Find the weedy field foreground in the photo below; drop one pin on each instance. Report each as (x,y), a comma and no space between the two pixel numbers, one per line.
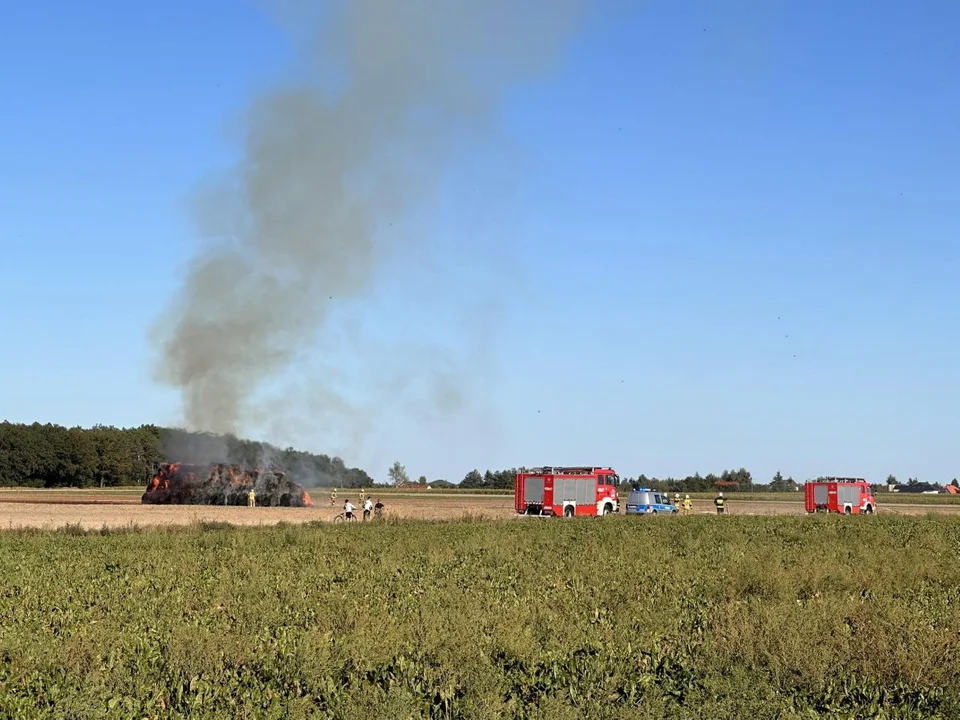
(702,617)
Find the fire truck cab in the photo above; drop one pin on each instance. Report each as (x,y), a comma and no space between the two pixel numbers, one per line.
(847,496)
(567,491)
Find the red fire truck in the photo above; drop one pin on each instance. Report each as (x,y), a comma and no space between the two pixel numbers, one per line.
(567,491)
(849,496)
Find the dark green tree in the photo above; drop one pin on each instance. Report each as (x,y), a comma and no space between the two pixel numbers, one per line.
(779,483)
(472,479)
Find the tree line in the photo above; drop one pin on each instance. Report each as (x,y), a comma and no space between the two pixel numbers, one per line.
(55,456)
(733,480)
(47,456)
(740,480)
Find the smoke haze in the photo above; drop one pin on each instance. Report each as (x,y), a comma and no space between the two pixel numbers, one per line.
(385,94)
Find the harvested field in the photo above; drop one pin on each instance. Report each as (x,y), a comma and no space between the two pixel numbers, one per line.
(94,509)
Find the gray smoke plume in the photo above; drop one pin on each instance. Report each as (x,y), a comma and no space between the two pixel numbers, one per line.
(385,94)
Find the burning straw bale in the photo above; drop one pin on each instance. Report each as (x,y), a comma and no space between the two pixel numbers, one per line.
(179,484)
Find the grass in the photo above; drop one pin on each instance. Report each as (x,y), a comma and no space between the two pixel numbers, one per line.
(882,497)
(119,490)
(393,492)
(701,617)
(321,494)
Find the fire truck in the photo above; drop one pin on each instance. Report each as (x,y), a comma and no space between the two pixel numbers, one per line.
(848,496)
(567,491)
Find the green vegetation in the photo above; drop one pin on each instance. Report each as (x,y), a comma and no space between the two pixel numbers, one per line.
(47,456)
(704,617)
(883,498)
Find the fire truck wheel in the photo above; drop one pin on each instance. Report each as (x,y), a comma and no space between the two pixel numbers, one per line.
(607,509)
(869,509)
(568,511)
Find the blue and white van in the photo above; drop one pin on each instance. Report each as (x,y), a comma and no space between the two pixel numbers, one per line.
(644,501)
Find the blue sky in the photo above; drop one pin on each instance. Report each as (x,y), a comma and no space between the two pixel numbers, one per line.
(718,237)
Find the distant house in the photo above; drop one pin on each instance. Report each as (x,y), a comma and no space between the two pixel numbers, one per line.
(726,484)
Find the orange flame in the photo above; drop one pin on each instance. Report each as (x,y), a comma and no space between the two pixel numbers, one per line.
(180,480)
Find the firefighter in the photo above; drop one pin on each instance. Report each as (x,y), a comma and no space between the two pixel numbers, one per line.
(719,502)
(676,500)
(333,497)
(687,505)
(251,498)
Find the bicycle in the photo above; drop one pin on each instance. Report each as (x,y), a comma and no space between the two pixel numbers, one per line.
(342,517)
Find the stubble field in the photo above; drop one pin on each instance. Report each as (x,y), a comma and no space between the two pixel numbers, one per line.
(95,509)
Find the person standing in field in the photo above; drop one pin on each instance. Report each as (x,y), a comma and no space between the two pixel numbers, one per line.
(676,500)
(367,507)
(333,497)
(251,498)
(720,503)
(348,509)
(687,505)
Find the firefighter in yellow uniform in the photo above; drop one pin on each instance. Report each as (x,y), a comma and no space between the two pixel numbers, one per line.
(676,501)
(251,498)
(721,504)
(363,495)
(687,505)
(333,497)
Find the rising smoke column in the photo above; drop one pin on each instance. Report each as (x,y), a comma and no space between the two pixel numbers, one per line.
(386,93)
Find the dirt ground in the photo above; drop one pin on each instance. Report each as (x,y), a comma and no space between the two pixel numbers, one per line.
(94,509)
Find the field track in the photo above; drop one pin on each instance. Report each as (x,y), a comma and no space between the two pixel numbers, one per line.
(94,509)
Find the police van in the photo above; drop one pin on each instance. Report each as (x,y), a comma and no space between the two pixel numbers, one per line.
(644,501)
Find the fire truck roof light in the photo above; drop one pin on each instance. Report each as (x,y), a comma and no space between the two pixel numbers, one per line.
(570,470)
(838,479)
